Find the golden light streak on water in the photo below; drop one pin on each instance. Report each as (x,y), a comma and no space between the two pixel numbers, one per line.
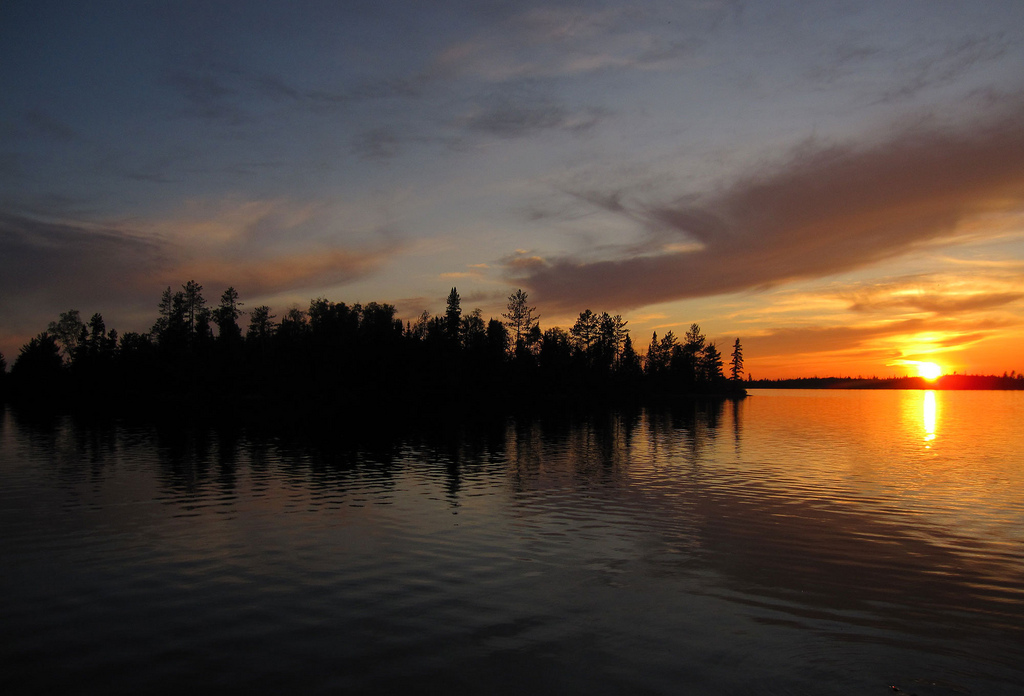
(930,416)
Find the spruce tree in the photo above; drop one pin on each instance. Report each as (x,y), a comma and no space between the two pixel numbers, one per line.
(736,365)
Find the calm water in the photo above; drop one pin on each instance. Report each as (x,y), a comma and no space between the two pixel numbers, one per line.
(823,542)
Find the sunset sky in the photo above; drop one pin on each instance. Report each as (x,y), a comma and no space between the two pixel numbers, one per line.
(838,184)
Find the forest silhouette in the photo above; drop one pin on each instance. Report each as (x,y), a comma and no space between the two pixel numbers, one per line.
(341,358)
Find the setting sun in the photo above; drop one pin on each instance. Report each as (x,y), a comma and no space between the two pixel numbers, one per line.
(929,370)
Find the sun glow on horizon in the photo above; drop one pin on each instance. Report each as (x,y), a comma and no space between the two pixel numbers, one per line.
(928,370)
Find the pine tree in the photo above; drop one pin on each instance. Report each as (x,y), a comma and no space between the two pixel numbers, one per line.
(453,317)
(736,365)
(711,364)
(226,315)
(261,324)
(655,361)
(585,331)
(520,317)
(194,302)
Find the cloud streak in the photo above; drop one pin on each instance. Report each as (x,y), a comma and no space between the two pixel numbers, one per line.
(59,264)
(892,338)
(70,259)
(826,210)
(295,271)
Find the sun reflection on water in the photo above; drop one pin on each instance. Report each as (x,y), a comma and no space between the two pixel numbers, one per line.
(929,416)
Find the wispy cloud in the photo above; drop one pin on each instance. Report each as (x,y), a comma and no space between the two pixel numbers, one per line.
(938,303)
(825,210)
(896,338)
(295,271)
(70,259)
(947,65)
(546,41)
(52,265)
(238,242)
(509,118)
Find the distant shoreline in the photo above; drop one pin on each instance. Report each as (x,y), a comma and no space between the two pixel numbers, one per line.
(952,382)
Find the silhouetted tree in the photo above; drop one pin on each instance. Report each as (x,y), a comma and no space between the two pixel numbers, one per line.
(379,323)
(612,332)
(520,318)
(67,331)
(736,364)
(694,339)
(629,361)
(38,369)
(418,329)
(711,364)
(686,359)
(97,333)
(261,324)
(203,329)
(497,340)
(655,362)
(194,303)
(453,317)
(532,342)
(226,315)
(555,359)
(335,355)
(333,335)
(585,332)
(96,344)
(474,330)
(134,344)
(294,325)
(437,331)
(171,329)
(163,314)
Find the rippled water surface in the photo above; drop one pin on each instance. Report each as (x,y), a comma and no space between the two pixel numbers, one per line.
(826,542)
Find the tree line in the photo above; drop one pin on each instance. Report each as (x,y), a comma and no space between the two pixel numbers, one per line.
(338,355)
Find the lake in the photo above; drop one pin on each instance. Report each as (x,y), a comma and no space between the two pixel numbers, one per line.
(796,542)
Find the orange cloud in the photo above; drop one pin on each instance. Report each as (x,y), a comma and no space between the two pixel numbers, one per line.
(285,272)
(911,335)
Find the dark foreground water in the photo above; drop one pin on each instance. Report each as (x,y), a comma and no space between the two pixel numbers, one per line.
(794,543)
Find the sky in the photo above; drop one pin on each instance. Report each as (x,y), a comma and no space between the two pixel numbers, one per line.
(840,185)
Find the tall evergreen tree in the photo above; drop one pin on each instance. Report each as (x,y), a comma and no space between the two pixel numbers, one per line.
(97,343)
(629,361)
(736,364)
(653,361)
(520,317)
(453,317)
(711,364)
(261,324)
(474,330)
(226,314)
(585,332)
(171,329)
(194,303)
(671,352)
